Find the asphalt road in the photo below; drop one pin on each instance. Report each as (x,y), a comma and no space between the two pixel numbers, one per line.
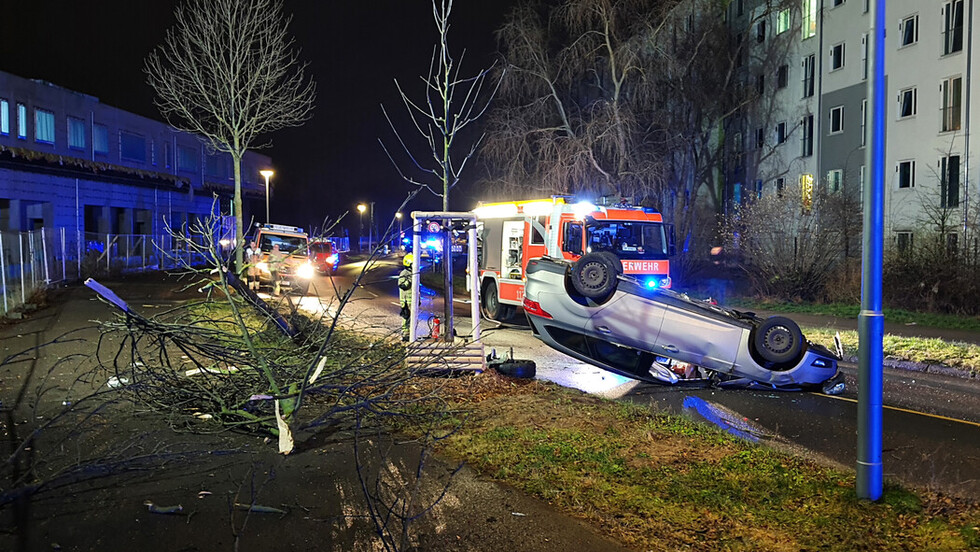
(931,422)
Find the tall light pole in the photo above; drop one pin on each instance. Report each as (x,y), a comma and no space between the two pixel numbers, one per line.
(267,173)
(360,227)
(398,216)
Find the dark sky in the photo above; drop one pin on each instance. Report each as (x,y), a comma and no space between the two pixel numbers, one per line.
(355,49)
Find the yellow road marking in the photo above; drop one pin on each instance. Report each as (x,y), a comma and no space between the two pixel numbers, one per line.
(907,411)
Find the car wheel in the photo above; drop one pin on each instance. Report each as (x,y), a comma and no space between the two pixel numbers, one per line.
(615,261)
(517,368)
(778,340)
(490,303)
(301,289)
(594,276)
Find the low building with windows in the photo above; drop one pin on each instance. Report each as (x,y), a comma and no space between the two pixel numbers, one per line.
(69,161)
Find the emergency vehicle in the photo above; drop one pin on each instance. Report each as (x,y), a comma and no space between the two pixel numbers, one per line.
(295,268)
(512,233)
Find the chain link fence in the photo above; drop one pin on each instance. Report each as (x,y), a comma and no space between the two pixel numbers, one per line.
(31,261)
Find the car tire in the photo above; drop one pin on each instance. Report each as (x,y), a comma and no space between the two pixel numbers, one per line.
(490,303)
(615,261)
(524,369)
(594,276)
(778,340)
(301,289)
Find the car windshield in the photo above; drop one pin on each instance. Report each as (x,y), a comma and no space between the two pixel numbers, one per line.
(287,244)
(628,240)
(316,248)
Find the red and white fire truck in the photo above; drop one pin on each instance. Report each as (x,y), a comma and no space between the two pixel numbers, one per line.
(513,232)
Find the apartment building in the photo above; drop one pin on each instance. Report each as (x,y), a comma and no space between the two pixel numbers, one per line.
(810,128)
(69,161)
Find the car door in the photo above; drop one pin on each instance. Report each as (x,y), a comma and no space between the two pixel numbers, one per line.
(629,320)
(692,335)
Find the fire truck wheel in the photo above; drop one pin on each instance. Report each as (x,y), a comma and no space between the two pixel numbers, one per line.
(594,276)
(490,303)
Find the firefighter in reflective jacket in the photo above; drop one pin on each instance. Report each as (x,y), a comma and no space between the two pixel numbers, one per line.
(405,295)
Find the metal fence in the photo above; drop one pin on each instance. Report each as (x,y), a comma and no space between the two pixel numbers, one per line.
(31,261)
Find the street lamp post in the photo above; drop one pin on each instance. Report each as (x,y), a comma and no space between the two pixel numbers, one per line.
(398,216)
(267,173)
(360,227)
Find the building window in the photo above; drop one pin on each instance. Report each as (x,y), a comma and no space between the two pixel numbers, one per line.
(758,189)
(739,7)
(861,182)
(739,51)
(100,138)
(76,133)
(780,186)
(952,27)
(806,137)
(760,84)
(168,159)
(864,56)
(4,117)
(782,21)
(837,56)
(904,242)
(906,102)
(837,119)
(132,147)
(760,31)
(838,2)
(952,91)
(22,121)
(906,174)
(909,29)
(810,8)
(782,76)
(186,158)
(737,150)
(809,64)
(780,133)
(949,182)
(43,126)
(760,138)
(864,122)
(835,178)
(806,191)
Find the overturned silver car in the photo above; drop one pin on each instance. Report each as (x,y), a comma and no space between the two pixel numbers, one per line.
(591,311)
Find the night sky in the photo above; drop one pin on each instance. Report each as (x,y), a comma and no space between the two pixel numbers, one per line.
(355,48)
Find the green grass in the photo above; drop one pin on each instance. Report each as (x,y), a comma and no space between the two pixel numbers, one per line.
(659,482)
(925,350)
(847,310)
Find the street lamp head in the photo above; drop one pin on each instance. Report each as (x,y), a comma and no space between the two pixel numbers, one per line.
(267,172)
(361,208)
(398,215)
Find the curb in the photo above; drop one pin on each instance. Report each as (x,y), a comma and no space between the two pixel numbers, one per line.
(912,366)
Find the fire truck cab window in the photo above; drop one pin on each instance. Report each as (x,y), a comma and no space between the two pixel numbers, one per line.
(628,239)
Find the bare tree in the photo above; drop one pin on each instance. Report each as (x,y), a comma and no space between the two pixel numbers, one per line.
(451,104)
(228,70)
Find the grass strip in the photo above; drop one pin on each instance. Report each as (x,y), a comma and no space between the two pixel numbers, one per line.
(661,482)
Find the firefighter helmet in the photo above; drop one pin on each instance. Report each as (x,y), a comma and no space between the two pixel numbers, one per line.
(408,260)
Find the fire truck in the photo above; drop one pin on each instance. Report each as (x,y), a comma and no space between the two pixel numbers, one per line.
(513,232)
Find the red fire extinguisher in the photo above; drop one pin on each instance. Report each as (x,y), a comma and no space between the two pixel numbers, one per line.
(435,328)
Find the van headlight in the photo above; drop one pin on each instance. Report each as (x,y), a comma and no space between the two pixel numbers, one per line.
(305,271)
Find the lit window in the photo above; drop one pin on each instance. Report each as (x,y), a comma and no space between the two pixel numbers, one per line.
(21,121)
(76,133)
(906,174)
(952,92)
(100,138)
(909,28)
(952,27)
(782,21)
(837,119)
(43,126)
(837,56)
(806,190)
(810,8)
(906,103)
(4,117)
